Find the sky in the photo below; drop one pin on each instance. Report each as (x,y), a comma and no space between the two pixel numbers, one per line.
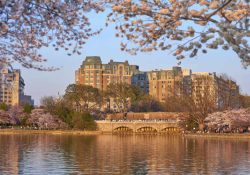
(107,46)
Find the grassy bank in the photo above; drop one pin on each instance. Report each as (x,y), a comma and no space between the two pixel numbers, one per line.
(51,132)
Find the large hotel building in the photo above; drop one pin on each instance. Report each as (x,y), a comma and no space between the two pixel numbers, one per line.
(12,87)
(160,84)
(93,72)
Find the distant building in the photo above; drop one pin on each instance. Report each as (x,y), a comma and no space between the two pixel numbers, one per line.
(187,82)
(225,91)
(12,87)
(234,94)
(160,84)
(164,84)
(27,99)
(141,80)
(94,73)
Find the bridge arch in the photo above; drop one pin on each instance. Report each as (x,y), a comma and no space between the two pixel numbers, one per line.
(146,129)
(170,130)
(122,129)
(138,126)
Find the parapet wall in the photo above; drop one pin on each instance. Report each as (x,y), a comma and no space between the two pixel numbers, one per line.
(147,116)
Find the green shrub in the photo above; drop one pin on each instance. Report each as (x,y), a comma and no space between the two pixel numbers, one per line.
(64,113)
(83,121)
(27,108)
(3,106)
(23,120)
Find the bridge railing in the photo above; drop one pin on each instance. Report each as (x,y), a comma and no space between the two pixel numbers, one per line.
(141,121)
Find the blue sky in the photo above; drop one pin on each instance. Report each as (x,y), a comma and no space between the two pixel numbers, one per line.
(107,46)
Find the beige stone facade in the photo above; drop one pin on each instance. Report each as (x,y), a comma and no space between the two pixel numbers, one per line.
(94,73)
(12,87)
(224,90)
(164,84)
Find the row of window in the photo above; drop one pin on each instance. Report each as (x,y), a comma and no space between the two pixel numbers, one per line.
(91,81)
(106,67)
(92,66)
(107,72)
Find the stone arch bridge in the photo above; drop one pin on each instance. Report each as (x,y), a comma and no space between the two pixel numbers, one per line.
(138,126)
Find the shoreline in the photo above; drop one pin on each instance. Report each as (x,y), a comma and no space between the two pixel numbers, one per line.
(79,132)
(219,135)
(47,132)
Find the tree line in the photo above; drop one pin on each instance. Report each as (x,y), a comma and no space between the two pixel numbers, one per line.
(80,101)
(81,104)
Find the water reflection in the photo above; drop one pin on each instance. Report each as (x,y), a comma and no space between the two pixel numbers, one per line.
(107,154)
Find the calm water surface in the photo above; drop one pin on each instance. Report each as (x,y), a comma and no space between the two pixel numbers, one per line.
(107,154)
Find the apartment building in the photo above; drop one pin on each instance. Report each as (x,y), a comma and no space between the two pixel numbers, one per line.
(160,84)
(173,82)
(179,82)
(12,87)
(224,91)
(94,73)
(234,94)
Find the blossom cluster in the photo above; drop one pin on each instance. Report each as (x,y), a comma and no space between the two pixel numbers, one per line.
(232,118)
(191,25)
(27,26)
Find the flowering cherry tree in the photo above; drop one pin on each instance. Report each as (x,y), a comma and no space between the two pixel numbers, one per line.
(186,27)
(28,25)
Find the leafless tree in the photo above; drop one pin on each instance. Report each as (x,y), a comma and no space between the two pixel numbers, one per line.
(245,101)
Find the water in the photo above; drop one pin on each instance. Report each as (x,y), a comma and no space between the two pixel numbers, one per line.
(107,154)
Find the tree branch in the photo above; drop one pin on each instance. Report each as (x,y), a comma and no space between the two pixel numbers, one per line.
(224,5)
